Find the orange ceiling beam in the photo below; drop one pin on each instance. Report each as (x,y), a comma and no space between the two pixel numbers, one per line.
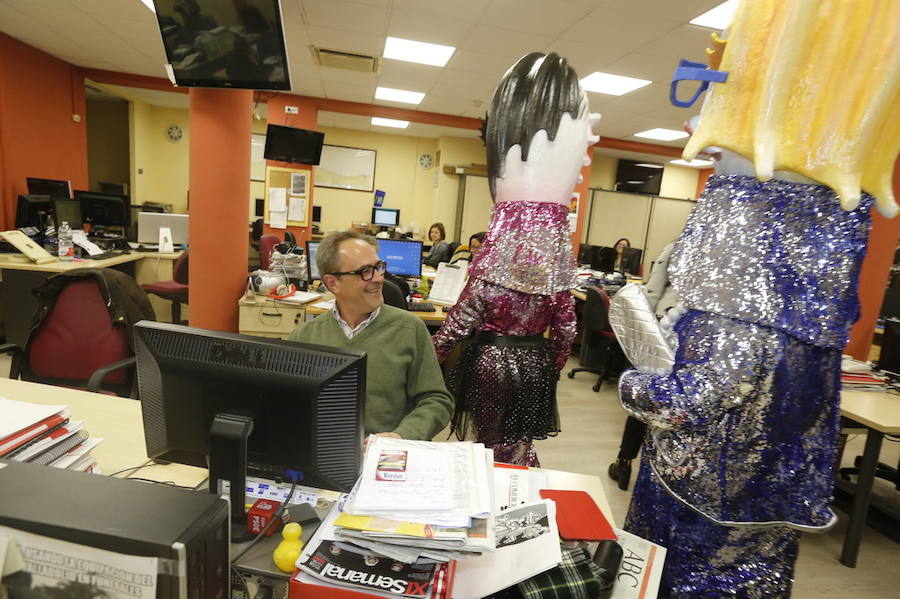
(638,146)
(130,80)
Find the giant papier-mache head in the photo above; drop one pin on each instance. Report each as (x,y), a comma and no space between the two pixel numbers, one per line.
(539,116)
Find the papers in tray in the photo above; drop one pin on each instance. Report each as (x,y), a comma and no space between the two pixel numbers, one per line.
(448,283)
(301,297)
(527,543)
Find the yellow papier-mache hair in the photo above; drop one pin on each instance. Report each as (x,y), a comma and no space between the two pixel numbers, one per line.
(813,87)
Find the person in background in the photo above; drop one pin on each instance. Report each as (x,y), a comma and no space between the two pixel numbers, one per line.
(440,249)
(405,392)
(661,296)
(468,252)
(619,263)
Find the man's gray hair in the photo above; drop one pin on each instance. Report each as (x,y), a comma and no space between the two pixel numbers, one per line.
(328,258)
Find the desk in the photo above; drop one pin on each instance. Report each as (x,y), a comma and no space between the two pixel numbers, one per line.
(880,414)
(435,318)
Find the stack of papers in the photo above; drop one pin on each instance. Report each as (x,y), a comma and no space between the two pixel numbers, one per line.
(45,435)
(859,376)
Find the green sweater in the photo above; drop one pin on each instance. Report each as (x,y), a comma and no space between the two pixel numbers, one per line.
(405,391)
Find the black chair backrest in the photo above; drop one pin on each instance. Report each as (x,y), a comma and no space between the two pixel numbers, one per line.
(289,237)
(399,282)
(453,246)
(393,296)
(596,310)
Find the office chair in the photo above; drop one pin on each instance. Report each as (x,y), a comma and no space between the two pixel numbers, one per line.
(174,290)
(392,295)
(289,238)
(454,245)
(600,351)
(399,282)
(881,471)
(267,244)
(82,336)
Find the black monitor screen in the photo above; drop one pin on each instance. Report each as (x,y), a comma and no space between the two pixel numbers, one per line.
(104,209)
(34,211)
(68,211)
(306,401)
(49,187)
(317,214)
(312,268)
(385,217)
(290,144)
(603,258)
(214,43)
(639,177)
(585,252)
(404,258)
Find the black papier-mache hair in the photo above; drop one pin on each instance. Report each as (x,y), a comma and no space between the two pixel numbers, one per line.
(533,95)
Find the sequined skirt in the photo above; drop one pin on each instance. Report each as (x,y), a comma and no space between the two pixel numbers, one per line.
(705,560)
(506,393)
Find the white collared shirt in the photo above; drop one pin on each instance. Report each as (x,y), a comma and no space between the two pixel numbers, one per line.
(349,331)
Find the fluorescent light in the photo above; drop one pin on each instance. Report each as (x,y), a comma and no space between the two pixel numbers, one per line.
(398,95)
(420,52)
(719,17)
(376,120)
(614,85)
(149,4)
(662,134)
(695,162)
(649,165)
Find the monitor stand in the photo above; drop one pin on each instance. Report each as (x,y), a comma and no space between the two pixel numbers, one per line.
(228,436)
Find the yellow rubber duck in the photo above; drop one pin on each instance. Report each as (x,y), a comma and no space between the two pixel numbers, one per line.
(288,550)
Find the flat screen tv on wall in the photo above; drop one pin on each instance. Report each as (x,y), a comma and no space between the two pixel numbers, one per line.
(638,177)
(294,145)
(214,43)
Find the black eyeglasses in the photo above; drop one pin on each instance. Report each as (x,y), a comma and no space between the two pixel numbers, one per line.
(366,272)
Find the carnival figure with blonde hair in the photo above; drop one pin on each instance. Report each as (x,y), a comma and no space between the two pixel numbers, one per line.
(537,133)
(743,427)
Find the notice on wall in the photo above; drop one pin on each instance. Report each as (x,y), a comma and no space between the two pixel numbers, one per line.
(296,208)
(60,568)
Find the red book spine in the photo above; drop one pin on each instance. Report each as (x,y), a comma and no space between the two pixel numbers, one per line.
(25,435)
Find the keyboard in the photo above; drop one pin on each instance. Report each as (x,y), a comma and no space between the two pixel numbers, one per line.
(420,306)
(105,255)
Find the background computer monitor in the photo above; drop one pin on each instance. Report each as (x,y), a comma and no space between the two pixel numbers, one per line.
(68,211)
(404,258)
(603,258)
(119,188)
(149,224)
(385,217)
(34,211)
(585,252)
(317,214)
(312,268)
(104,209)
(49,187)
(306,403)
(631,258)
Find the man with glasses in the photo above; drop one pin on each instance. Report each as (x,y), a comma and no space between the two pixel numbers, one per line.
(405,392)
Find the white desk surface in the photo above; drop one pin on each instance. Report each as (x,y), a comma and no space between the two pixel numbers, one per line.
(877,410)
(118,420)
(60,266)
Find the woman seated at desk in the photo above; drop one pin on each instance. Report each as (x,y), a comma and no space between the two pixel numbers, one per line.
(467,252)
(440,249)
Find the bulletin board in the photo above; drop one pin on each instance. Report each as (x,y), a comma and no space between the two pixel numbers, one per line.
(287,197)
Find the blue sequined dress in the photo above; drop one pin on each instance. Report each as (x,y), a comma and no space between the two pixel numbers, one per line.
(742,433)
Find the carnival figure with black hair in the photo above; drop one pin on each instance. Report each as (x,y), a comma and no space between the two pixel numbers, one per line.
(537,133)
(743,423)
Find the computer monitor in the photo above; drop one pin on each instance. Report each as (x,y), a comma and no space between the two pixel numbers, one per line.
(889,358)
(49,187)
(404,258)
(317,215)
(385,217)
(631,258)
(585,252)
(68,211)
(118,188)
(149,224)
(104,210)
(603,258)
(34,211)
(240,404)
(312,269)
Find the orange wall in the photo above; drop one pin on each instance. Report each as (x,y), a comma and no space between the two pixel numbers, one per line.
(306,119)
(38,138)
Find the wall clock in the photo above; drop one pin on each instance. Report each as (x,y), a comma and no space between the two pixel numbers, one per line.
(174,133)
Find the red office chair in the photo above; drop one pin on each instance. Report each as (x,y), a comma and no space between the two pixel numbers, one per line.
(600,351)
(266,244)
(82,332)
(175,290)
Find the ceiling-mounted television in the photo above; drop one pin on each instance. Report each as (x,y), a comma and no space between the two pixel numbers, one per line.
(290,144)
(220,43)
(639,177)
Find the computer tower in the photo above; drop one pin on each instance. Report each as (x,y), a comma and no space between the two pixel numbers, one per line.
(187,531)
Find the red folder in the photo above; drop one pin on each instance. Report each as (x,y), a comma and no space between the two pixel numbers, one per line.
(21,437)
(578,517)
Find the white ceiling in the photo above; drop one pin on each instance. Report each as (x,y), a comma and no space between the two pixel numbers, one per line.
(635,38)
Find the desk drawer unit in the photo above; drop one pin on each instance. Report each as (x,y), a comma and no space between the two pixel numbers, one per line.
(267,318)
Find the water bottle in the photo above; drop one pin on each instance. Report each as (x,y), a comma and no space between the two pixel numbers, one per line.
(66,247)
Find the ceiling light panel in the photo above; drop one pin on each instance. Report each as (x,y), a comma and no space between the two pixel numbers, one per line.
(613,85)
(695,163)
(662,134)
(398,95)
(719,17)
(419,52)
(376,120)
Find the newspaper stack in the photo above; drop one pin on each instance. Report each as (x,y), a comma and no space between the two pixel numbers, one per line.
(416,507)
(45,435)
